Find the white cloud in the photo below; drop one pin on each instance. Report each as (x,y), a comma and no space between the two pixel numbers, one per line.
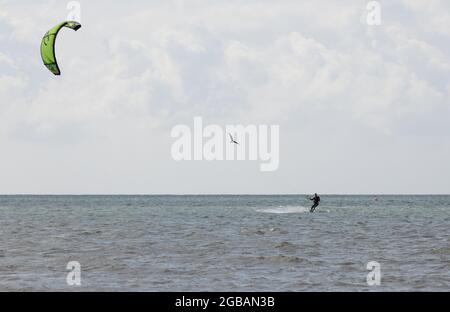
(136,69)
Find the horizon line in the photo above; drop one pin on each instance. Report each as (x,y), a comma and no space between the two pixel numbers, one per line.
(224,194)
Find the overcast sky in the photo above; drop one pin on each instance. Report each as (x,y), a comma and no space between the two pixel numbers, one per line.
(361,109)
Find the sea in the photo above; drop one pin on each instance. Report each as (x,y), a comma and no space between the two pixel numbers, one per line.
(224,243)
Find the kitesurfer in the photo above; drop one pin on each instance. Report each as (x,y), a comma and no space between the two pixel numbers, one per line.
(316,201)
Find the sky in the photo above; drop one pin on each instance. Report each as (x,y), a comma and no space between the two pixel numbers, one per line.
(361,109)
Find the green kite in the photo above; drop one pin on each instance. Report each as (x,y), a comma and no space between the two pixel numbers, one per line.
(48,45)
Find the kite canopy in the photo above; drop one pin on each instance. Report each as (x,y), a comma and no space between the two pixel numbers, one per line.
(48,45)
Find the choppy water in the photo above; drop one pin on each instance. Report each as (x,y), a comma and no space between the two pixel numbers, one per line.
(224,243)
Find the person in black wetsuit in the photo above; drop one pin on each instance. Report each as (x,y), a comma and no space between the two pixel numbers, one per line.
(316,200)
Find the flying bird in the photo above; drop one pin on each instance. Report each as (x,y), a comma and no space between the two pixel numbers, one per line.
(232,140)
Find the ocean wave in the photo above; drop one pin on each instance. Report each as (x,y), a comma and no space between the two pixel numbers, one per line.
(282,210)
